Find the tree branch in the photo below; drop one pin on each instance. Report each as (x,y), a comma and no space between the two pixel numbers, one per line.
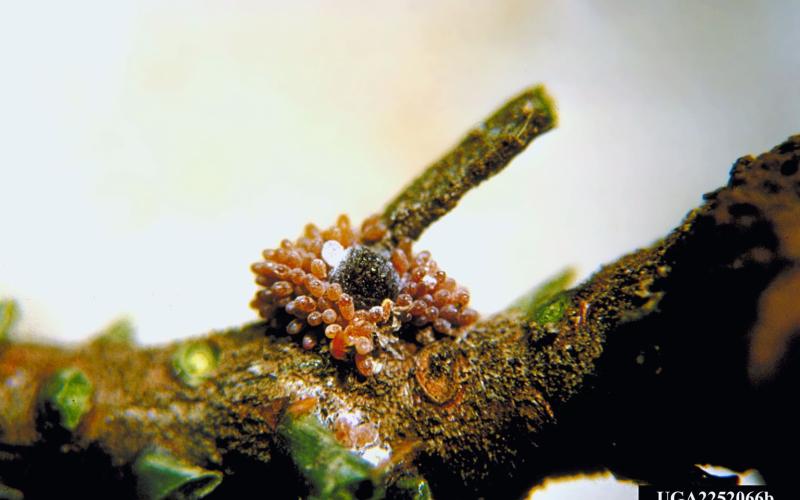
(642,370)
(485,151)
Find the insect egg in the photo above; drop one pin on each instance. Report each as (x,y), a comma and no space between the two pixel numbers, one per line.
(341,285)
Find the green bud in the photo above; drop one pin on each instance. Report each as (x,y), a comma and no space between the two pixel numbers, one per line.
(9,313)
(533,301)
(413,488)
(331,470)
(553,310)
(9,493)
(119,332)
(160,475)
(195,361)
(68,392)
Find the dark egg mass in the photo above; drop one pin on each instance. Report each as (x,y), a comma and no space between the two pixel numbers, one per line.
(367,276)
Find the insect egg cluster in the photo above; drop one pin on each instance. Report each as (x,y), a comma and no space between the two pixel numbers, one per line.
(337,286)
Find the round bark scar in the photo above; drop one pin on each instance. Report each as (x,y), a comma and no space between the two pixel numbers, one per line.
(439,372)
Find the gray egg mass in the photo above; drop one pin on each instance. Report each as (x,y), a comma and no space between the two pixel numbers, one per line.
(367,276)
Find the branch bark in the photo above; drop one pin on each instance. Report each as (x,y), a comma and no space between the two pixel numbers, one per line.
(646,369)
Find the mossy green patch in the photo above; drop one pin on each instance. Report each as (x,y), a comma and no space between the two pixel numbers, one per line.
(195,361)
(331,470)
(9,313)
(160,475)
(68,392)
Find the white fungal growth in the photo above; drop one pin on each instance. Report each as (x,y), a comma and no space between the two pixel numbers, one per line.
(377,454)
(333,253)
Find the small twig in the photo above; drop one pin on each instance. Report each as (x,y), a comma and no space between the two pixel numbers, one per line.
(485,151)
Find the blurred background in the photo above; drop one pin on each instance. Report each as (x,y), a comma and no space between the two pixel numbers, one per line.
(150,149)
